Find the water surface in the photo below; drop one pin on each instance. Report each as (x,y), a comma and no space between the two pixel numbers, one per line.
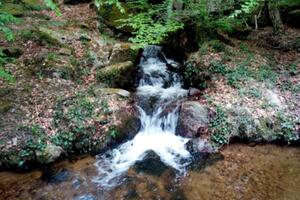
(240,172)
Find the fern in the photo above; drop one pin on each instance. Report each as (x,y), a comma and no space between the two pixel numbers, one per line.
(246,8)
(101,3)
(5,20)
(3,74)
(50,4)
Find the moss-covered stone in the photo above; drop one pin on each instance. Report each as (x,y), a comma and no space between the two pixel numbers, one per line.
(5,105)
(118,75)
(13,9)
(110,15)
(93,120)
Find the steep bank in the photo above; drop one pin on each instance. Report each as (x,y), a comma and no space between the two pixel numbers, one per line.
(70,93)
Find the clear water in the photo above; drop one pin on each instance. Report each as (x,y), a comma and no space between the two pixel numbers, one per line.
(159,90)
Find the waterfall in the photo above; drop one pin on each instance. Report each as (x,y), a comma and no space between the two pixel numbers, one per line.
(157,99)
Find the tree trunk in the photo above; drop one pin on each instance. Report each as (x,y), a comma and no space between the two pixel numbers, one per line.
(275,17)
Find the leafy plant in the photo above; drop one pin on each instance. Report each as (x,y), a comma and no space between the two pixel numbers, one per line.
(220,128)
(216,67)
(4,74)
(240,74)
(113,132)
(64,140)
(247,7)
(5,20)
(50,4)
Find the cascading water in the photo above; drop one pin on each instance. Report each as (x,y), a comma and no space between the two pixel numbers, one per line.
(158,92)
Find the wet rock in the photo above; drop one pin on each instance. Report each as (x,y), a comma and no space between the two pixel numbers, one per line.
(150,164)
(118,75)
(193,120)
(199,145)
(56,176)
(109,91)
(86,197)
(202,160)
(49,154)
(193,91)
(122,52)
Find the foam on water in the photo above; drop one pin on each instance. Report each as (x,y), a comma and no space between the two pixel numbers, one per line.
(158,127)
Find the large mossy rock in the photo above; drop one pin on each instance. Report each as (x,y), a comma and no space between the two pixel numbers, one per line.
(26,147)
(193,120)
(110,14)
(12,8)
(118,75)
(94,120)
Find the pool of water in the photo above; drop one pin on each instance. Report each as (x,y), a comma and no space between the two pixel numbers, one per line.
(239,172)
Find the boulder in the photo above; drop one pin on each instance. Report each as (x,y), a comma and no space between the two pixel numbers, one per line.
(193,120)
(199,145)
(12,8)
(150,164)
(94,120)
(49,154)
(122,52)
(118,75)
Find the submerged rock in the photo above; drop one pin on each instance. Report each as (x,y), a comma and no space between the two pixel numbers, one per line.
(193,120)
(199,145)
(150,164)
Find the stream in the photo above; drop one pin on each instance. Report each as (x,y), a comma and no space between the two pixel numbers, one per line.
(155,164)
(240,172)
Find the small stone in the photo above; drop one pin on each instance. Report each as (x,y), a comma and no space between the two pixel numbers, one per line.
(65,51)
(193,91)
(50,154)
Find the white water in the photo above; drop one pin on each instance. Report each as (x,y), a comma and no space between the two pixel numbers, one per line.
(158,127)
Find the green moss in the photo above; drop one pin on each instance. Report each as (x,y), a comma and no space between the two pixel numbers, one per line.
(220,128)
(241,74)
(13,9)
(117,75)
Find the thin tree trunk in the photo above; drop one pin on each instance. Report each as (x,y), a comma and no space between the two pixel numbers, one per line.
(275,18)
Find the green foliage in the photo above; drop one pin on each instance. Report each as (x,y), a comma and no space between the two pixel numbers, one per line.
(3,74)
(64,140)
(153,25)
(266,73)
(246,8)
(5,20)
(217,46)
(113,132)
(220,128)
(241,74)
(36,142)
(253,92)
(102,3)
(50,4)
(287,127)
(219,68)
(191,75)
